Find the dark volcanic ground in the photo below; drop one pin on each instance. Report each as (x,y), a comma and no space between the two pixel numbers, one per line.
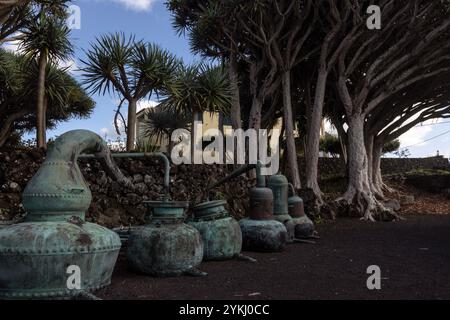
(414,257)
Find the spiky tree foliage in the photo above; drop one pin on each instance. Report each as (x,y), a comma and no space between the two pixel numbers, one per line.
(13,15)
(18,90)
(131,69)
(49,35)
(199,88)
(16,14)
(45,38)
(213,32)
(160,124)
(391,146)
(268,36)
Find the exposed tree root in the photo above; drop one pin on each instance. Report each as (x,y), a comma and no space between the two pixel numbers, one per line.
(371,206)
(111,168)
(388,189)
(321,207)
(318,201)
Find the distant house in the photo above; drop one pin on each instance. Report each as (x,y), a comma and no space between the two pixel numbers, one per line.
(210,120)
(117,146)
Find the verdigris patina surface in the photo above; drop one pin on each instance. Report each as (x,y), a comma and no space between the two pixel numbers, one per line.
(304,227)
(221,234)
(35,255)
(290,210)
(166,246)
(261,232)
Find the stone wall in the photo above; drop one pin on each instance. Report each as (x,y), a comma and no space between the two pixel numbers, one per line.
(335,167)
(113,205)
(397,165)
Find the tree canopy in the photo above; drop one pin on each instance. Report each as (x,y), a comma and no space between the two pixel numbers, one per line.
(18,90)
(134,70)
(307,59)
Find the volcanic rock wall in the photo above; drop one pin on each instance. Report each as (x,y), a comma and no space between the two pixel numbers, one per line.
(113,205)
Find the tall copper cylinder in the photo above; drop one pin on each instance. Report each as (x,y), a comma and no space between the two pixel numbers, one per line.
(296,207)
(280,188)
(261,204)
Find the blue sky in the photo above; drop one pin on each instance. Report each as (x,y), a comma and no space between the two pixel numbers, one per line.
(150,20)
(146,19)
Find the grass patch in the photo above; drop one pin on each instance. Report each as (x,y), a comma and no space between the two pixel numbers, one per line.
(424,172)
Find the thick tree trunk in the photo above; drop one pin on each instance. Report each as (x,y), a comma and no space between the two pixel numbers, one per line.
(362,195)
(343,151)
(291,149)
(255,123)
(255,114)
(220,123)
(313,137)
(131,132)
(41,138)
(342,134)
(368,142)
(374,152)
(195,154)
(377,179)
(254,120)
(235,111)
(45,117)
(359,195)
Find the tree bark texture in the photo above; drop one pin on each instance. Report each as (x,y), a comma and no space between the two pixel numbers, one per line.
(131,132)
(291,149)
(41,138)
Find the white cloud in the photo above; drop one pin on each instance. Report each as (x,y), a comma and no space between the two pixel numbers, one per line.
(104,132)
(137,5)
(416,136)
(146,104)
(70,65)
(141,105)
(11,46)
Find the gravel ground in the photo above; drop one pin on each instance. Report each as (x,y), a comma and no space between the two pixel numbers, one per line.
(414,257)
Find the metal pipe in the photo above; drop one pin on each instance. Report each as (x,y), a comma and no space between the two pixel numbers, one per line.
(261,182)
(159,155)
(236,173)
(58,190)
